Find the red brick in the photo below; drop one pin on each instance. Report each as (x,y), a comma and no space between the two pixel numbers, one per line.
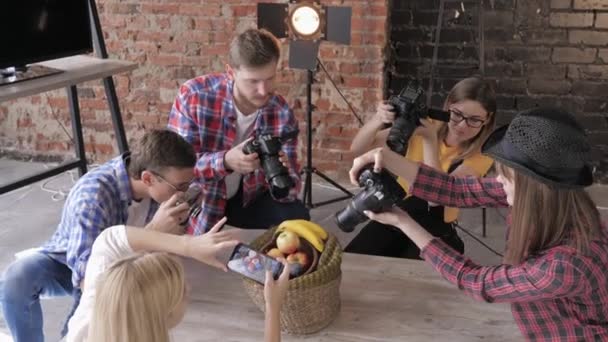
(590,5)
(165,9)
(601,20)
(571,19)
(588,37)
(573,55)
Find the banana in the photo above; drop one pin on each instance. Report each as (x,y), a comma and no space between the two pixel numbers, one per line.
(304,232)
(320,232)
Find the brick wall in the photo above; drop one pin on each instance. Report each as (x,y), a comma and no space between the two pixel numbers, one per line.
(176,40)
(538,52)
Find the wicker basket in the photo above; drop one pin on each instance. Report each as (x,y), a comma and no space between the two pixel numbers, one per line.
(313,299)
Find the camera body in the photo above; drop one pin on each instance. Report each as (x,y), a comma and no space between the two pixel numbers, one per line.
(191,196)
(381,191)
(277,176)
(409,108)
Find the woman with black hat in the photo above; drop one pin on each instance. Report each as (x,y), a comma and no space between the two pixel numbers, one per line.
(554,268)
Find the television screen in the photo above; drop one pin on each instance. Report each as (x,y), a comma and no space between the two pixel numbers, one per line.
(38,30)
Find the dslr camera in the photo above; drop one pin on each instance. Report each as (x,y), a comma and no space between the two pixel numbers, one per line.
(191,197)
(409,108)
(381,191)
(277,176)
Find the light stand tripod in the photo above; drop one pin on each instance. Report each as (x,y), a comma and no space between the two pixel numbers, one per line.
(308,170)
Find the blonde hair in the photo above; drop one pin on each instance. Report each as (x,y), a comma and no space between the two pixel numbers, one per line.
(135,297)
(545,216)
(472,89)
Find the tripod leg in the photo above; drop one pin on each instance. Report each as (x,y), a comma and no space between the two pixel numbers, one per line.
(307,193)
(332,182)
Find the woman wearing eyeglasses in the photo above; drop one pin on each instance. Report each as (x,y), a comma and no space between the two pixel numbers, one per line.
(453,147)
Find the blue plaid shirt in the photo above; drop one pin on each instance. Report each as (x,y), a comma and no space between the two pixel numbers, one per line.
(100,199)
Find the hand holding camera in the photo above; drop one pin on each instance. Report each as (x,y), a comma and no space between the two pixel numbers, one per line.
(409,109)
(268,148)
(240,162)
(380,192)
(169,216)
(192,198)
(385,114)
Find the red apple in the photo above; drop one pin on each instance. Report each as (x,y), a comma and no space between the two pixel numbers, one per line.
(288,242)
(298,258)
(275,253)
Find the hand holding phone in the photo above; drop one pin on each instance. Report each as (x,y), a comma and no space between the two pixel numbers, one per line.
(253,264)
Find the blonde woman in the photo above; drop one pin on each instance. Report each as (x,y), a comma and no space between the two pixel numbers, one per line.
(453,147)
(556,256)
(134,296)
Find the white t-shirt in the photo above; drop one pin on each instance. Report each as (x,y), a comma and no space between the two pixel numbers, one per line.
(244,126)
(110,245)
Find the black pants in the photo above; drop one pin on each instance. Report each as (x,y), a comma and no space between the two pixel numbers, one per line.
(379,239)
(263,212)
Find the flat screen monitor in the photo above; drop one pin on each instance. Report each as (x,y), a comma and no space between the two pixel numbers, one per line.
(39,30)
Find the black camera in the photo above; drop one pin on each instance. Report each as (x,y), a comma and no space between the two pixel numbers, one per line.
(191,197)
(381,191)
(277,176)
(409,108)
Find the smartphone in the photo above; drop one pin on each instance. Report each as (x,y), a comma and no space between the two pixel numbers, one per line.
(253,264)
(191,196)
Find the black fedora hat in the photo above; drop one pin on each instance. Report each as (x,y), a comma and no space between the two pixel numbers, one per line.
(546,144)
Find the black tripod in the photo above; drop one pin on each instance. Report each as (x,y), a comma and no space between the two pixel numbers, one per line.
(309,169)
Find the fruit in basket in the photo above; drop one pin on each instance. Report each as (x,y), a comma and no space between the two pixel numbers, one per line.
(288,242)
(320,232)
(275,253)
(307,230)
(299,258)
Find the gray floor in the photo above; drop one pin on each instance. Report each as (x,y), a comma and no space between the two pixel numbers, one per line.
(29,215)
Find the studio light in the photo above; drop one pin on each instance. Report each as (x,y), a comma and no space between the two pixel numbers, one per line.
(306,24)
(304,20)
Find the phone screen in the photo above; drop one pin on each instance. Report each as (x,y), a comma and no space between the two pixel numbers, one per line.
(253,264)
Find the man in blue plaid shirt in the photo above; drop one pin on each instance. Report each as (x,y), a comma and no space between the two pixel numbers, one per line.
(125,190)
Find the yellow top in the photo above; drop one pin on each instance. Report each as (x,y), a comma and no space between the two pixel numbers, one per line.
(477,162)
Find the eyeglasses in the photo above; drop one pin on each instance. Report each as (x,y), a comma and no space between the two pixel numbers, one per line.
(183,187)
(457,116)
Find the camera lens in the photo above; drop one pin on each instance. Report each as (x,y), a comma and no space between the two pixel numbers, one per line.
(348,218)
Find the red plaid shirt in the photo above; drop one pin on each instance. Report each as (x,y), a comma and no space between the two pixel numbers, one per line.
(555,295)
(204,114)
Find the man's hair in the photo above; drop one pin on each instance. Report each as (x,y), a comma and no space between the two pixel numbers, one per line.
(254,48)
(158,150)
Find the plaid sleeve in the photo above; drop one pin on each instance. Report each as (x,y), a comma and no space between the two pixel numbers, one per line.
(551,276)
(459,192)
(185,120)
(87,221)
(291,152)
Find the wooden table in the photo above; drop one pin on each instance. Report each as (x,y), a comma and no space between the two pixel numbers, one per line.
(383,299)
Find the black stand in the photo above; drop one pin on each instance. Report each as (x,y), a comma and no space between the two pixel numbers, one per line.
(309,169)
(81,162)
(108,82)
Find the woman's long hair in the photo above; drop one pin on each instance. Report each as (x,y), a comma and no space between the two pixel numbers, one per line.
(135,297)
(544,216)
(473,89)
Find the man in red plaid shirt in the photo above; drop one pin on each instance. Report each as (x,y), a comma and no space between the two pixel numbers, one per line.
(554,269)
(219,114)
